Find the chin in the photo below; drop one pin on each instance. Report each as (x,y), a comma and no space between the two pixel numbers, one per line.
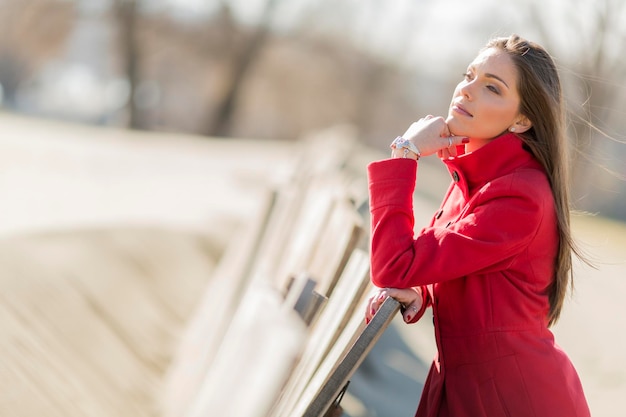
(457,129)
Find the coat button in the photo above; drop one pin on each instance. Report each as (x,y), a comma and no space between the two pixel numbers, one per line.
(455,176)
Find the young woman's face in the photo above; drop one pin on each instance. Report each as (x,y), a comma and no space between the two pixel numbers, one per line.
(486,101)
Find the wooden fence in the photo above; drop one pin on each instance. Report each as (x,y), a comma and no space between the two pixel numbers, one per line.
(89,316)
(280,328)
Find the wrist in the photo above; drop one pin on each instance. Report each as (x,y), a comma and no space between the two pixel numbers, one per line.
(404,153)
(404,148)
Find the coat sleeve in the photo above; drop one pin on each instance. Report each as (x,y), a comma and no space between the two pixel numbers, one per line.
(503,219)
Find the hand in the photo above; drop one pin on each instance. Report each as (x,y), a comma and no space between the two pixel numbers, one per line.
(432,135)
(410,298)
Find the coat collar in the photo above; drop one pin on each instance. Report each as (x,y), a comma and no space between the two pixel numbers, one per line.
(499,157)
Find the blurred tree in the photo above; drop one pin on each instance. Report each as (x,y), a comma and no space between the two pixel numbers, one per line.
(374,78)
(346,31)
(590,46)
(125,14)
(33,31)
(241,60)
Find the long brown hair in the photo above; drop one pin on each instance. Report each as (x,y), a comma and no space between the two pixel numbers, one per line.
(541,101)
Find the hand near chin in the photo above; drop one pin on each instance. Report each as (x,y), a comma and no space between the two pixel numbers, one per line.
(410,298)
(432,135)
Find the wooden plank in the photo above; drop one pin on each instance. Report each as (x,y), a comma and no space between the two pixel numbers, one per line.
(316,304)
(286,246)
(279,229)
(203,334)
(341,234)
(254,360)
(325,332)
(296,251)
(326,151)
(333,375)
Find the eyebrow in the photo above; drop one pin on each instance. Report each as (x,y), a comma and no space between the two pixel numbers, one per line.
(497,78)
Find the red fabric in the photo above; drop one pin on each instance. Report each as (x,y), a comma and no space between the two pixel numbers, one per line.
(484,263)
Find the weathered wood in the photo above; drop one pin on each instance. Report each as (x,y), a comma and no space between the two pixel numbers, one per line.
(314,308)
(279,229)
(325,151)
(304,227)
(304,201)
(326,330)
(296,250)
(333,375)
(207,326)
(255,358)
(340,236)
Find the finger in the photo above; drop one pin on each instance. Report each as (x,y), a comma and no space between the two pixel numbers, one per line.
(405,296)
(369,309)
(450,141)
(445,132)
(373,305)
(410,312)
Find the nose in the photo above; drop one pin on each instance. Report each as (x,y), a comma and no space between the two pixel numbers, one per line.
(465,89)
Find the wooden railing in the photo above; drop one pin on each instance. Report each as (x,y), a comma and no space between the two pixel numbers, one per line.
(280,329)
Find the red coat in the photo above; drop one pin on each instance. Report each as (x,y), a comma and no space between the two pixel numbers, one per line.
(484,262)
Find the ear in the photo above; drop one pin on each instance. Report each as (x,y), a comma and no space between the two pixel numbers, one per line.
(521,125)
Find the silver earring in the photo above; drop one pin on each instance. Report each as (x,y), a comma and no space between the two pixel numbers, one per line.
(512,129)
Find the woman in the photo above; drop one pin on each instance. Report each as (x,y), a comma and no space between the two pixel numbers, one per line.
(495,262)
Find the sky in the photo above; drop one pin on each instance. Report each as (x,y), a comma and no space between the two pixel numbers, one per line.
(393,28)
(411,31)
(438,37)
(406,31)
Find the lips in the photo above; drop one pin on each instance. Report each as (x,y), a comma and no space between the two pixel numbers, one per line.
(460,109)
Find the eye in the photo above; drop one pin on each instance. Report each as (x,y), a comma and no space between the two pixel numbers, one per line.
(493,89)
(467,76)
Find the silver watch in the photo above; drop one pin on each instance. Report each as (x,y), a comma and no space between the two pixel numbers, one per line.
(400,142)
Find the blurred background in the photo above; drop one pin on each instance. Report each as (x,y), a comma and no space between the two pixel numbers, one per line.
(273,69)
(136,135)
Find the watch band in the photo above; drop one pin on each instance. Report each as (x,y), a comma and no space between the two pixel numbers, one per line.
(402,143)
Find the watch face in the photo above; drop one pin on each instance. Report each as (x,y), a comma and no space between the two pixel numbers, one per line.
(400,142)
(404,143)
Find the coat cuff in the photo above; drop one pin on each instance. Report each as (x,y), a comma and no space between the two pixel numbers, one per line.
(392,182)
